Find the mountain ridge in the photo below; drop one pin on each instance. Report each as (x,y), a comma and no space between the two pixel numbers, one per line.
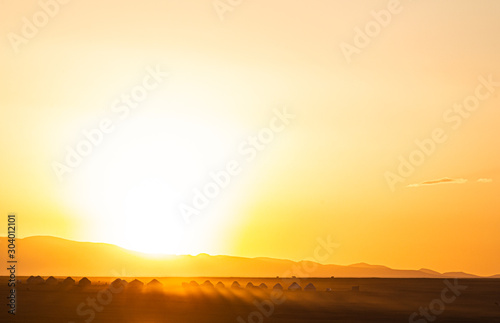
(78,258)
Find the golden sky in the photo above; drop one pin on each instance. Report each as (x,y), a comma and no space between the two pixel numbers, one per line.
(215,77)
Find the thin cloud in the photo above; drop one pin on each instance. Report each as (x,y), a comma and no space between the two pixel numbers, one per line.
(485,180)
(440,181)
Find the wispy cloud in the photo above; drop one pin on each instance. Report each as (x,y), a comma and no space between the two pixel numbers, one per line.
(440,181)
(485,180)
(449,181)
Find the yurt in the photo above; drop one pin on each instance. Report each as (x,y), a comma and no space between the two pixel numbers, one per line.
(207,284)
(51,281)
(310,287)
(84,282)
(68,281)
(135,284)
(118,283)
(154,285)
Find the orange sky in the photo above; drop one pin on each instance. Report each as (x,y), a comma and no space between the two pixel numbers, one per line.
(324,173)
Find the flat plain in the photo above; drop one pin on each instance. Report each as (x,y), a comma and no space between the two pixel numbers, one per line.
(378,300)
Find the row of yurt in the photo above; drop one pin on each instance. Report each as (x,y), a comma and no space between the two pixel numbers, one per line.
(85,282)
(250,285)
(138,285)
(52,281)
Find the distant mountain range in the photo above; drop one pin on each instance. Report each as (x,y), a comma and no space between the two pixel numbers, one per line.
(43,255)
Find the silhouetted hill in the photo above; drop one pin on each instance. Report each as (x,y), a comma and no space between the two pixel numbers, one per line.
(428,271)
(43,255)
(459,275)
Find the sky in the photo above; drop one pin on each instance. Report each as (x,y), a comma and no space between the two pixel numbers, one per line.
(255,128)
